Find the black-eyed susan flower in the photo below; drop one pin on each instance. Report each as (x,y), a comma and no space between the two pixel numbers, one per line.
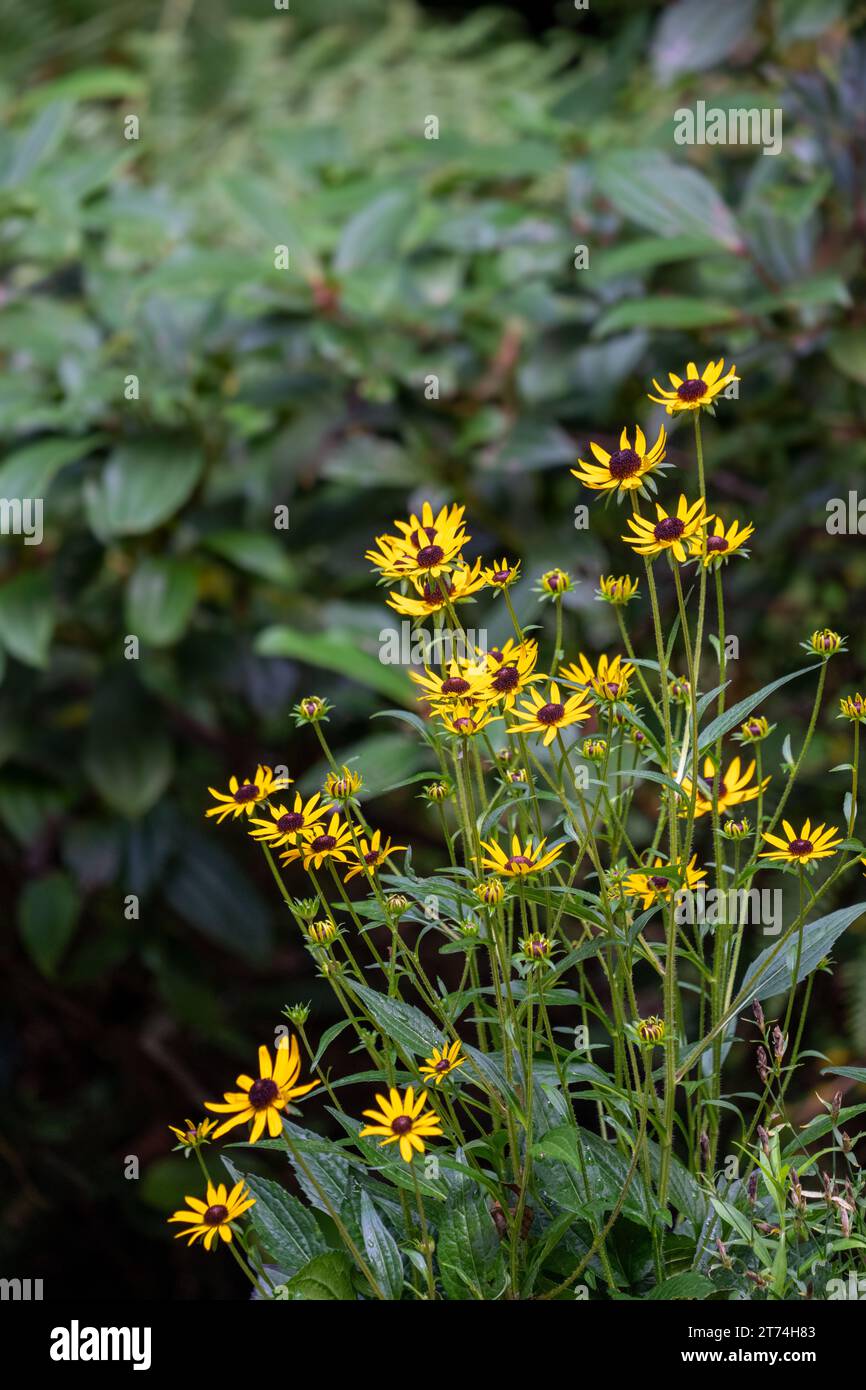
(547,714)
(287,822)
(698,390)
(754,729)
(192,1136)
(320,933)
(736,786)
(716,544)
(212,1218)
(510,669)
(261,1099)
(652,888)
(674,533)
(324,842)
(461,682)
(491,893)
(627,468)
(651,1031)
(554,583)
(679,690)
(608,678)
(397,903)
(467,720)
(803,846)
(594,749)
(524,859)
(852,707)
(403,1120)
(243,797)
(441,1061)
(311,710)
(371,854)
(824,643)
(738,829)
(437,792)
(618,589)
(429,596)
(502,574)
(425,547)
(343,785)
(535,949)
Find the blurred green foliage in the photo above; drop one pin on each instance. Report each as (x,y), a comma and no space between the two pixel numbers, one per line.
(168,388)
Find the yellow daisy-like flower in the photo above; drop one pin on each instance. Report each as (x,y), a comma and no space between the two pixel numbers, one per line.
(618,589)
(538,715)
(801,848)
(262,1098)
(852,707)
(651,1030)
(716,545)
(286,824)
(373,854)
(467,720)
(320,933)
(674,533)
(502,574)
(524,859)
(492,893)
(509,670)
(212,1218)
(443,1060)
(322,842)
(426,547)
(650,887)
(624,470)
(555,583)
(698,390)
(192,1136)
(403,1120)
(461,584)
(461,683)
(824,643)
(734,788)
(609,679)
(244,797)
(343,785)
(536,947)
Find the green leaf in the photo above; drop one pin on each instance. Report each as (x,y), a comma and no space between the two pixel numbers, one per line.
(325,1278)
(130,768)
(161,598)
(645,253)
(27,617)
(372,235)
(141,486)
(208,890)
(403,1022)
(693,35)
(380,1248)
(664,311)
(818,940)
(339,652)
(685,1285)
(28,472)
(743,708)
(47,914)
(668,198)
(468,1248)
(260,555)
(288,1230)
(37,143)
(606,1171)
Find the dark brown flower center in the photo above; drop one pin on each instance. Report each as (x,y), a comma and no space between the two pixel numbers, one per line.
(455,685)
(248,792)
(322,843)
(800,847)
(553,581)
(263,1093)
(692,390)
(518,861)
(444,1065)
(430,555)
(501,576)
(624,463)
(402,1124)
(292,820)
(658,882)
(372,857)
(669,529)
(433,592)
(215,1216)
(716,543)
(506,678)
(550,714)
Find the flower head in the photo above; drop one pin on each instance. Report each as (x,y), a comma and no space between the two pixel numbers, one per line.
(212,1218)
(428,596)
(491,893)
(460,683)
(801,847)
(852,707)
(716,545)
(609,679)
(192,1136)
(824,643)
(502,574)
(371,854)
(262,1098)
(618,589)
(699,389)
(424,547)
(652,887)
(467,720)
(627,468)
(320,843)
(754,730)
(554,583)
(311,710)
(527,858)
(442,1061)
(735,787)
(243,797)
(403,1120)
(288,822)
(738,829)
(674,532)
(508,670)
(320,933)
(536,948)
(651,1030)
(536,714)
(343,785)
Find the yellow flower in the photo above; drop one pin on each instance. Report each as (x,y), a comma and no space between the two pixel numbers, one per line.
(716,545)
(624,470)
(285,825)
(404,1121)
(442,1061)
(467,720)
(321,932)
(699,389)
(824,643)
(616,589)
(243,797)
(463,581)
(609,680)
(651,1030)
(372,854)
(523,859)
(853,707)
(510,669)
(502,574)
(461,683)
(555,583)
(801,848)
(650,888)
(343,785)
(668,532)
(754,730)
(492,893)
(332,842)
(536,947)
(261,1098)
(734,788)
(537,715)
(193,1135)
(426,547)
(205,1220)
